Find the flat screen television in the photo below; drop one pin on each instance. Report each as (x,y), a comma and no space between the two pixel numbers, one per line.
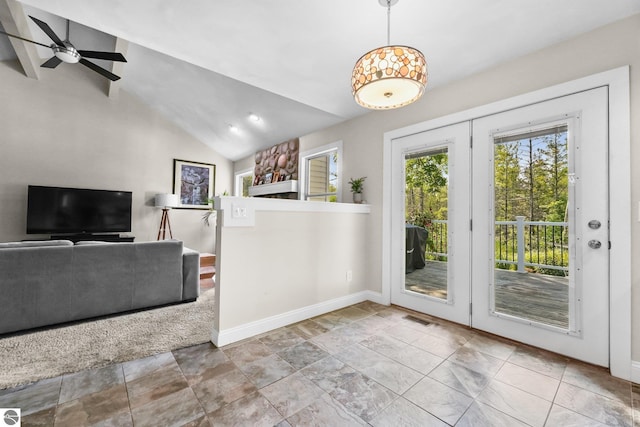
(59,210)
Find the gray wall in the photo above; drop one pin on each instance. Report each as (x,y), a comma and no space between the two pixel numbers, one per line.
(62,130)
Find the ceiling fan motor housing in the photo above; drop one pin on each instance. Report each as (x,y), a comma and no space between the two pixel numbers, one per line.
(66,53)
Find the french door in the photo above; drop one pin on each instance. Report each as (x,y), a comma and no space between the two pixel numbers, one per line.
(511,231)
(432,244)
(555,296)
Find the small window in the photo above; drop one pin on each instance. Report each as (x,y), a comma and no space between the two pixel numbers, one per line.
(243,181)
(321,174)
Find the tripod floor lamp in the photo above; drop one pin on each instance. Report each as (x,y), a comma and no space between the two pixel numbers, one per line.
(166,202)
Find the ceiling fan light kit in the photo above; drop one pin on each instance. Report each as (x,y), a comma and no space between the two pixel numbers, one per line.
(391,76)
(67,53)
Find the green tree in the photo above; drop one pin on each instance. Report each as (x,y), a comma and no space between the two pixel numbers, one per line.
(427,187)
(507,183)
(556,171)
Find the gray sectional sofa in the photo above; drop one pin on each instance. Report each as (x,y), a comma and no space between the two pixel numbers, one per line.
(50,282)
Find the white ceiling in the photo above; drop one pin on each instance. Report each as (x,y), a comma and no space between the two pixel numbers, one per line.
(208,64)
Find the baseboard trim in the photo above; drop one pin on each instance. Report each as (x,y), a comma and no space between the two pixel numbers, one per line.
(231,335)
(375,297)
(635,372)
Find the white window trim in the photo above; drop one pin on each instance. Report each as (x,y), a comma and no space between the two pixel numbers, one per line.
(237,181)
(302,175)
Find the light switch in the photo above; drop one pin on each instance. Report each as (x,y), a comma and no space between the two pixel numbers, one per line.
(239,211)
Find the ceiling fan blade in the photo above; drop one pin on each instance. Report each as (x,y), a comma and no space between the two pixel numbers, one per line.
(100,70)
(109,56)
(48,31)
(23,39)
(53,62)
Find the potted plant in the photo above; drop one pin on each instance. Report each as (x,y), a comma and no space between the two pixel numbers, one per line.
(357,185)
(209,217)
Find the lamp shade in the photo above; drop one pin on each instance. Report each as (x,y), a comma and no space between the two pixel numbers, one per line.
(166,200)
(389,77)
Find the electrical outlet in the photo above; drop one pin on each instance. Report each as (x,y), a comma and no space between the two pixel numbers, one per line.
(349,275)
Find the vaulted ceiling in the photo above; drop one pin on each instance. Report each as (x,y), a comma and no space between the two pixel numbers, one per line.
(208,64)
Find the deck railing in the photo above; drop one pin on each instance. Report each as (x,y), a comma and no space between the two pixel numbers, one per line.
(535,244)
(437,239)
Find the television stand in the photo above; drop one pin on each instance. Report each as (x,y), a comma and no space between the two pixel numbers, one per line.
(99,237)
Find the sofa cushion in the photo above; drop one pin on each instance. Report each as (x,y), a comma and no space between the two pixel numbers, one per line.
(158,273)
(94,242)
(36,287)
(35,244)
(103,279)
(190,274)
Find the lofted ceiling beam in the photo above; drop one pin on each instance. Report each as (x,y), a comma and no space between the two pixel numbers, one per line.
(120,46)
(14,21)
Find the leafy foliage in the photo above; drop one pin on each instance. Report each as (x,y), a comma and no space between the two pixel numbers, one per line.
(427,188)
(531,177)
(357,184)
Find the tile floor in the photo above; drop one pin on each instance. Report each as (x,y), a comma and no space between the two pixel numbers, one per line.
(363,365)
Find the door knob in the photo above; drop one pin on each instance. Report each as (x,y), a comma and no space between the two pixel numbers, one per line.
(594,224)
(594,244)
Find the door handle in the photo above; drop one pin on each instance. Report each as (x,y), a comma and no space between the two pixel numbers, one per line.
(594,224)
(594,244)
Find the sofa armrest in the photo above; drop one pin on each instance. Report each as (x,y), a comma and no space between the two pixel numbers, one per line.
(190,274)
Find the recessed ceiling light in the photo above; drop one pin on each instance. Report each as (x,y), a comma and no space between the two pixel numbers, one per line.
(254,117)
(233,128)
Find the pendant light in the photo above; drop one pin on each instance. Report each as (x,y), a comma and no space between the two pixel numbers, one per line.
(391,76)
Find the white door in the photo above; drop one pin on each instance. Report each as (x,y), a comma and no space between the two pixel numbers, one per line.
(540,265)
(430,235)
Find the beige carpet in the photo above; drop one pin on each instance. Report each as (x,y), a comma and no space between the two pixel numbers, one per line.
(44,354)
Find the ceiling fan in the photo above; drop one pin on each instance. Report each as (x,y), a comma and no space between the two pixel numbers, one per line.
(64,51)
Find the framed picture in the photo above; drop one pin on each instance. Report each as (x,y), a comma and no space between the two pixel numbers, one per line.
(276,177)
(267,178)
(194,183)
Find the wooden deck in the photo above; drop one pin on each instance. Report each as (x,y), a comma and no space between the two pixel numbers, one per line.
(530,296)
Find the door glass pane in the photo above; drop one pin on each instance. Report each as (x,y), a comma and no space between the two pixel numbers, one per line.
(426,217)
(531,214)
